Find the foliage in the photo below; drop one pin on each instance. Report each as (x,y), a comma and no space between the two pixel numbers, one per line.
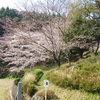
(28,82)
(38,74)
(36,15)
(84,18)
(31,90)
(7,12)
(16,81)
(58,79)
(88,75)
(16,74)
(50,94)
(4,72)
(85,76)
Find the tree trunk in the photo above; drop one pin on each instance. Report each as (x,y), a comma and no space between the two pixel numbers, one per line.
(97,47)
(81,53)
(69,59)
(57,59)
(58,63)
(69,62)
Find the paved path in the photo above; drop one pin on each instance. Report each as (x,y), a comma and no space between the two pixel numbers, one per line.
(5,86)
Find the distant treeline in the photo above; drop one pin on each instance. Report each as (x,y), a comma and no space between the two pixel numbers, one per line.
(8,12)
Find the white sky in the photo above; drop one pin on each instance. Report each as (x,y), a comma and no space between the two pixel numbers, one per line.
(8,3)
(11,3)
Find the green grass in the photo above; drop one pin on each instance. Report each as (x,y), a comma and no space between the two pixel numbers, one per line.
(65,93)
(62,93)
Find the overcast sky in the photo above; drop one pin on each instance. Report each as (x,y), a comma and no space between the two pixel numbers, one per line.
(11,3)
(8,3)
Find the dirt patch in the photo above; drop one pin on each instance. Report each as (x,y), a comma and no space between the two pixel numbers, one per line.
(5,87)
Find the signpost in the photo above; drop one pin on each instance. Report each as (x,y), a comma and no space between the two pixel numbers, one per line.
(46,84)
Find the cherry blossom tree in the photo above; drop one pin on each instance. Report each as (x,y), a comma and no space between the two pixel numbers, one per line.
(26,46)
(52,28)
(20,51)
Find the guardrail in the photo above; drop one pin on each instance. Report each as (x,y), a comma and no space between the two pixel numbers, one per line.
(15,92)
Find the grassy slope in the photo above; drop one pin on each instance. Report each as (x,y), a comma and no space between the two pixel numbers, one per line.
(63,94)
(66,94)
(5,86)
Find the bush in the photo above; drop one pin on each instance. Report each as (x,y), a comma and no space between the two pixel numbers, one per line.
(4,72)
(27,81)
(85,76)
(16,81)
(31,90)
(50,94)
(59,77)
(38,74)
(90,83)
(16,74)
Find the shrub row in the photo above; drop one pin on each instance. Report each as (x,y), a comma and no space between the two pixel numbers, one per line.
(15,74)
(85,76)
(4,72)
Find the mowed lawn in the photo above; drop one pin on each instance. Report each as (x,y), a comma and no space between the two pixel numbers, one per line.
(5,87)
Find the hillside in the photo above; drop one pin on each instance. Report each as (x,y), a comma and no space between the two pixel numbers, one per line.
(60,79)
(84,69)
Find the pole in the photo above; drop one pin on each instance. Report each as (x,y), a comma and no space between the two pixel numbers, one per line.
(45,93)
(19,91)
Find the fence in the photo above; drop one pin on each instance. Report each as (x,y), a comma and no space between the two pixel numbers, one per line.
(15,92)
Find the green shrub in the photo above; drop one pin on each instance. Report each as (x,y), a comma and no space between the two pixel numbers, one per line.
(4,72)
(90,82)
(15,74)
(85,76)
(16,81)
(59,78)
(27,81)
(20,74)
(38,74)
(31,90)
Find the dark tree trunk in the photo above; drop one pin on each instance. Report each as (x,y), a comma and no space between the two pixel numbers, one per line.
(57,59)
(81,53)
(69,59)
(98,42)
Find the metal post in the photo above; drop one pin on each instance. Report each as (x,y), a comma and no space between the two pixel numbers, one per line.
(19,91)
(46,84)
(45,93)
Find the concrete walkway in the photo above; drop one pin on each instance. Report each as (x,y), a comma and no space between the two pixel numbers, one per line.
(5,87)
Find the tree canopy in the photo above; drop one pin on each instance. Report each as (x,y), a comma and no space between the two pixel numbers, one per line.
(85,20)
